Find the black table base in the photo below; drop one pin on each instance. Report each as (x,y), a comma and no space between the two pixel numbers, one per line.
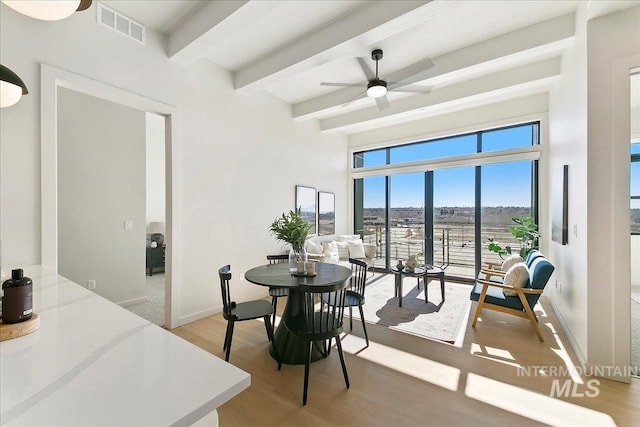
(295,351)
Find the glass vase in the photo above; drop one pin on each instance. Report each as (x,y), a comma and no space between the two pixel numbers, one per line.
(297,255)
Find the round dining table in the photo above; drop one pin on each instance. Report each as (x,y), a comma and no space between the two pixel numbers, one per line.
(278,275)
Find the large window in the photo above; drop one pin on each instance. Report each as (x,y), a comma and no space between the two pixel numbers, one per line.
(447,215)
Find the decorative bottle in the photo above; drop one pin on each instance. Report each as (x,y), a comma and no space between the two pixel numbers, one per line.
(17,303)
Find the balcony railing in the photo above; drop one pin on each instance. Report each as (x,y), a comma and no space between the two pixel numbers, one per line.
(453,247)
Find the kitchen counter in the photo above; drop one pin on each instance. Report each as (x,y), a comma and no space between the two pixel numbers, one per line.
(92,363)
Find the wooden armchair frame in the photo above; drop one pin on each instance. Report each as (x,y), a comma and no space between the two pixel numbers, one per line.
(528,314)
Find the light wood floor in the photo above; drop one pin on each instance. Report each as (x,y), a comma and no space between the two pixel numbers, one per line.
(405,380)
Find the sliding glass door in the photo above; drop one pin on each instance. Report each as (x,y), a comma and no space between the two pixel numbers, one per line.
(454,220)
(406,216)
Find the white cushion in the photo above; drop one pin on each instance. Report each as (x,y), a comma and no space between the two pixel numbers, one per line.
(330,248)
(517,276)
(343,250)
(511,260)
(356,249)
(313,247)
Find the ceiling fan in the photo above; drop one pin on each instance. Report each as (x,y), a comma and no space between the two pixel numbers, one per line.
(399,81)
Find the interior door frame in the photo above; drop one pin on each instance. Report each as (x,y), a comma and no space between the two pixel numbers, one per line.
(51,78)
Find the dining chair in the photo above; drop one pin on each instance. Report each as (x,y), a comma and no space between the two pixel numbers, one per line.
(318,323)
(238,312)
(355,292)
(276,292)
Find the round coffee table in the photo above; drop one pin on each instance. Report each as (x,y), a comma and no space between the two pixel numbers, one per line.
(426,272)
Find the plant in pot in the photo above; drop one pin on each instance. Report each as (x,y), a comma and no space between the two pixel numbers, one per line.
(291,228)
(527,234)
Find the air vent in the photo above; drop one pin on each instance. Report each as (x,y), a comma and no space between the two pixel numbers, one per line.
(120,24)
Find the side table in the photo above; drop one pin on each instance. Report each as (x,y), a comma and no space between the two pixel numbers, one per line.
(432,272)
(425,272)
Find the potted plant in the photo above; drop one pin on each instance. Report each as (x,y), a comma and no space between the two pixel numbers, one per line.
(291,228)
(527,234)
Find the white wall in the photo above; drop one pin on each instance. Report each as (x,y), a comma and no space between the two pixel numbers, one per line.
(613,48)
(241,156)
(101,184)
(589,130)
(567,145)
(155,168)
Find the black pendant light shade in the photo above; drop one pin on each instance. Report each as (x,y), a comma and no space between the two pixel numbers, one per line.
(8,82)
(84,4)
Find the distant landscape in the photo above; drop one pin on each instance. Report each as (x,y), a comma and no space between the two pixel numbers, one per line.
(500,215)
(454,231)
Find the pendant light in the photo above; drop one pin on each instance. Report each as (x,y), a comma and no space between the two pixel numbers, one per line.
(11,87)
(48,10)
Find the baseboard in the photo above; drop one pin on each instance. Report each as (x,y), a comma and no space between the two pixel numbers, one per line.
(565,327)
(131,302)
(197,316)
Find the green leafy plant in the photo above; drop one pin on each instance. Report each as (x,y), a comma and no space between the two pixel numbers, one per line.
(527,234)
(291,228)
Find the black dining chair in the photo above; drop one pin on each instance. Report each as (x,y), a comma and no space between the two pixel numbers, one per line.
(276,292)
(238,312)
(355,292)
(318,322)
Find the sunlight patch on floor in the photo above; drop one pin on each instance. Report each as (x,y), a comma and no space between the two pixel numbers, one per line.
(494,354)
(562,353)
(424,369)
(532,405)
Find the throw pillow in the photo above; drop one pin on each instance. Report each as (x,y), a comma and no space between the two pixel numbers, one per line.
(330,248)
(356,249)
(507,263)
(517,276)
(313,247)
(343,250)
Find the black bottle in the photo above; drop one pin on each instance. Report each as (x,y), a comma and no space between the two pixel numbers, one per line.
(17,303)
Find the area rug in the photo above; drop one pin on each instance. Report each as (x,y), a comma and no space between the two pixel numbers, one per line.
(436,319)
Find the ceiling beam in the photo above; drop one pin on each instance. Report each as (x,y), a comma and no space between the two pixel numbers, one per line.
(376,21)
(520,81)
(215,23)
(528,44)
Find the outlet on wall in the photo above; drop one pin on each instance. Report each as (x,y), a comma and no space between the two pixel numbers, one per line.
(91,284)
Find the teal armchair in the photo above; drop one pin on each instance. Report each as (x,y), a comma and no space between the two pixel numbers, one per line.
(490,294)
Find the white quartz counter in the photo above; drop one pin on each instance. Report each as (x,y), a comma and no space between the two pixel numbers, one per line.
(94,363)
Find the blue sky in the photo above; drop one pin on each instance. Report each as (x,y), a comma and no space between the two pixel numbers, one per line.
(506,184)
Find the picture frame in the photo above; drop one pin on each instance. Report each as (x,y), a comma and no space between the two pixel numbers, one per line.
(326,213)
(307,202)
(560,214)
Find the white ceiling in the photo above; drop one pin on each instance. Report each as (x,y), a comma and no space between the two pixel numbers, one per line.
(482,51)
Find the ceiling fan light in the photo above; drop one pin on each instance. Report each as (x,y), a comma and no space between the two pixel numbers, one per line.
(47,10)
(11,87)
(377,89)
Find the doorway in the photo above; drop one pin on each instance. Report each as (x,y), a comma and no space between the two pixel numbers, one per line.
(51,80)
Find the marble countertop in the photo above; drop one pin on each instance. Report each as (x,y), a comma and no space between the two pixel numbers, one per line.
(94,363)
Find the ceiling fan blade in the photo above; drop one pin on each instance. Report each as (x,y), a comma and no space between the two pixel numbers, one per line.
(368,72)
(343,84)
(358,96)
(413,73)
(382,102)
(401,87)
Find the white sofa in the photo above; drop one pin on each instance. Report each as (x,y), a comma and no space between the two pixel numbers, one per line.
(337,249)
